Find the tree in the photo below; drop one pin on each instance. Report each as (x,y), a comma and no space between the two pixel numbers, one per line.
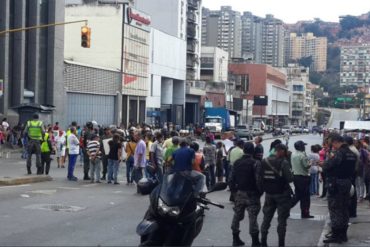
(306,61)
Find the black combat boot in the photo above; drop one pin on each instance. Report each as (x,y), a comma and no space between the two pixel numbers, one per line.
(236,240)
(281,242)
(343,234)
(86,177)
(29,170)
(334,238)
(255,240)
(263,240)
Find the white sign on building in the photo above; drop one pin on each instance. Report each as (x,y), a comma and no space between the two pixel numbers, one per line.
(136,53)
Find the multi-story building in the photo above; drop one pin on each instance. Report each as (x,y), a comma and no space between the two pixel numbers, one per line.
(355,65)
(31,62)
(182,18)
(214,64)
(222,28)
(153,80)
(245,36)
(262,80)
(298,78)
(307,45)
(251,37)
(272,42)
(214,71)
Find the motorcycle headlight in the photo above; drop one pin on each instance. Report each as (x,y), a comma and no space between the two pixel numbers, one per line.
(164,209)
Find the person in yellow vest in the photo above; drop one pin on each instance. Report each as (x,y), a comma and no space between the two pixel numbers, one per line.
(35,135)
(46,149)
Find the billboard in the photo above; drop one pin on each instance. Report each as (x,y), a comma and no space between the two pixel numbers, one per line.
(135,55)
(260,100)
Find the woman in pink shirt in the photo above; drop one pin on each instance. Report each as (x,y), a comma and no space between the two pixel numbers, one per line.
(323,154)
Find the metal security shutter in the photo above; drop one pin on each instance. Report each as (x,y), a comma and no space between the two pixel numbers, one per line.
(87,107)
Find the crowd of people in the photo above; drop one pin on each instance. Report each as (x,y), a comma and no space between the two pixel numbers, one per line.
(341,164)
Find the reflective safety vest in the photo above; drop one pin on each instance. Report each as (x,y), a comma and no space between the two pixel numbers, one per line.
(34,130)
(68,133)
(45,145)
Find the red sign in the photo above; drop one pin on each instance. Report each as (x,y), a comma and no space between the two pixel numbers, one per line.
(137,18)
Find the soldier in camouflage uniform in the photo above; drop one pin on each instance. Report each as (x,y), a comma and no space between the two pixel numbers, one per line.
(339,169)
(276,178)
(246,181)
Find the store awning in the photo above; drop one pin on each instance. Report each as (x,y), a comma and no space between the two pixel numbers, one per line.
(356,125)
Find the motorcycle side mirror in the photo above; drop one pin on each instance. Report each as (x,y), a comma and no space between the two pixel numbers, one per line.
(218,187)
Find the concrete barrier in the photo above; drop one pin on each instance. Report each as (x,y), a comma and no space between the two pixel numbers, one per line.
(24,180)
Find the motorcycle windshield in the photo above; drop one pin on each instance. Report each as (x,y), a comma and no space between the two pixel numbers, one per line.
(175,189)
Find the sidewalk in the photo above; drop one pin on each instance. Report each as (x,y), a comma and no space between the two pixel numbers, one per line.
(13,170)
(359,230)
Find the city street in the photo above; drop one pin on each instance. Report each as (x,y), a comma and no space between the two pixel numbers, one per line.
(75,214)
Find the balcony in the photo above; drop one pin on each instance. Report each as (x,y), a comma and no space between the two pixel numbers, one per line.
(193,4)
(196,88)
(191,47)
(192,18)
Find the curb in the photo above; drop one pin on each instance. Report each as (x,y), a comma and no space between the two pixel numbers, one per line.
(24,180)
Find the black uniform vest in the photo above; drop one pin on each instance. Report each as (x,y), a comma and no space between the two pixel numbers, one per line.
(244,170)
(273,183)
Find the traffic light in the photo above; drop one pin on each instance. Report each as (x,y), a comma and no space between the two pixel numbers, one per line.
(85,36)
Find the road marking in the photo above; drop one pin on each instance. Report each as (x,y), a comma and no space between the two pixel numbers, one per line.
(89,185)
(25,196)
(14,186)
(69,188)
(295,216)
(325,230)
(44,192)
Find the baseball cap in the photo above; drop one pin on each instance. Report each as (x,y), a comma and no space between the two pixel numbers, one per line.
(300,143)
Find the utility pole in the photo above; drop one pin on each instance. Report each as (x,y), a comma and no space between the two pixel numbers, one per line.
(22,29)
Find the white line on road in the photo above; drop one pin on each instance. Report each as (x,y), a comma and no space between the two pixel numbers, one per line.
(69,188)
(325,230)
(14,186)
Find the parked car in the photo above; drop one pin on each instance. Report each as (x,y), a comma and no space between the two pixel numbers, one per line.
(317,129)
(257,132)
(296,129)
(242,131)
(285,129)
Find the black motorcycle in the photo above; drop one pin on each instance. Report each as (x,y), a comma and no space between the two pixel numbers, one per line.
(175,215)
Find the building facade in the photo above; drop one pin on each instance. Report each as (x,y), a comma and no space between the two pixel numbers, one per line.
(127,51)
(31,63)
(355,65)
(182,19)
(307,45)
(263,80)
(166,98)
(92,93)
(222,28)
(272,42)
(298,78)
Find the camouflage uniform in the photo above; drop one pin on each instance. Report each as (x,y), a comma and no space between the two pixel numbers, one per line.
(246,183)
(281,202)
(278,196)
(339,168)
(338,204)
(252,203)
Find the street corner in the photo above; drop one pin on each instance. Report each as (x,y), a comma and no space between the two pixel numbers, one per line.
(6,181)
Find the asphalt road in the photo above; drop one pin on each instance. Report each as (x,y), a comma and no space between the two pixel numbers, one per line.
(339,115)
(81,214)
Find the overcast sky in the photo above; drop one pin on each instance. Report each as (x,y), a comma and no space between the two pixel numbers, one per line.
(291,11)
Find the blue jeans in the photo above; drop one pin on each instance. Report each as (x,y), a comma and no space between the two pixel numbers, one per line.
(129,168)
(314,185)
(71,164)
(113,166)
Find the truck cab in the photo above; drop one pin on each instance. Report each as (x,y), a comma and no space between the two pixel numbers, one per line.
(214,124)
